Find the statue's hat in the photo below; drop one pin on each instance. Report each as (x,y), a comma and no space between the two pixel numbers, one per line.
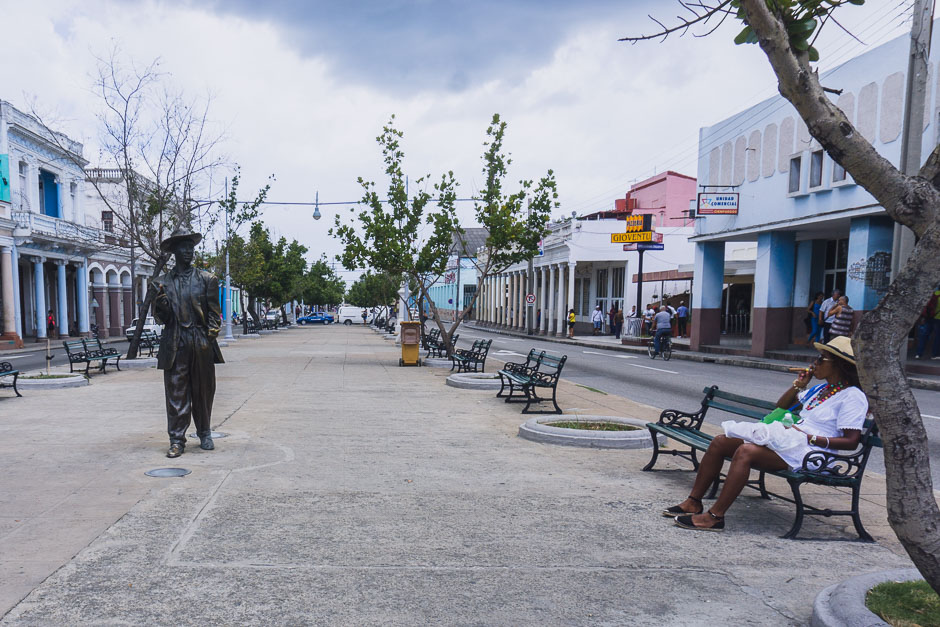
(180,234)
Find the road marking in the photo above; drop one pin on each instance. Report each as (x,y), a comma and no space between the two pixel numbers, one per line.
(929,416)
(6,357)
(609,355)
(514,354)
(651,368)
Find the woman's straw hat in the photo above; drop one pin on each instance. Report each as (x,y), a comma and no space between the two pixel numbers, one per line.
(840,346)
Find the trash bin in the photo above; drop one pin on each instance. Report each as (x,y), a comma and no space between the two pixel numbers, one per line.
(410,343)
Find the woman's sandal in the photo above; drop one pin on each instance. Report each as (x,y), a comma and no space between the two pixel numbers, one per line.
(686,523)
(675,510)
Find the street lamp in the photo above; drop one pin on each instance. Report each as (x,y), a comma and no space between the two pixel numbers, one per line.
(316,207)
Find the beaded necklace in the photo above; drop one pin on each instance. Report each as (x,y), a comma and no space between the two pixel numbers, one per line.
(830,391)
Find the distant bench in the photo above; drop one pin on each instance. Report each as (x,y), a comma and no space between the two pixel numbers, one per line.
(819,467)
(539,370)
(149,340)
(6,370)
(471,359)
(89,351)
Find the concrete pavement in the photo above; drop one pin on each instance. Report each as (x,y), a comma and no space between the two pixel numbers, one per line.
(352,491)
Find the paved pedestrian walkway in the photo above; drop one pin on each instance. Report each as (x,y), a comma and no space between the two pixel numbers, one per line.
(352,491)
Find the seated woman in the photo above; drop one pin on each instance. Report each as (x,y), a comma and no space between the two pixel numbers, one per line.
(831,418)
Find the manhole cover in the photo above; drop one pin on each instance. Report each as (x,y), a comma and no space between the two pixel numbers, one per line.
(168,472)
(215,435)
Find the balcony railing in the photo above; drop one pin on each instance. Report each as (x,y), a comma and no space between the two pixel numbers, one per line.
(54,227)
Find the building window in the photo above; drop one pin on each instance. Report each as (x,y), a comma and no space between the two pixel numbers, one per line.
(616,288)
(602,283)
(577,296)
(107,221)
(815,168)
(838,173)
(796,164)
(24,195)
(586,297)
(837,261)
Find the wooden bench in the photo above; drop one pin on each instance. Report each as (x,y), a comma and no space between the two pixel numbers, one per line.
(840,470)
(471,359)
(539,370)
(149,340)
(88,351)
(438,347)
(6,370)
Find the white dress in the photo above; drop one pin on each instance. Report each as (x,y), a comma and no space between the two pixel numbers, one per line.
(844,410)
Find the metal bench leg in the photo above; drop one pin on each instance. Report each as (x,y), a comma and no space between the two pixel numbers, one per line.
(529,399)
(88,369)
(798,501)
(555,402)
(117,364)
(17,376)
(856,517)
(693,456)
(652,462)
(502,386)
(762,486)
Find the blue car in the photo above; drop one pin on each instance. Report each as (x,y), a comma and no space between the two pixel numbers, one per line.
(316,318)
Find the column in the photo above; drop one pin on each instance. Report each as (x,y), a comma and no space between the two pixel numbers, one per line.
(78,210)
(127,298)
(114,308)
(571,271)
(39,278)
(550,302)
(543,299)
(870,241)
(17,305)
(561,310)
(773,291)
(81,298)
(62,317)
(9,305)
(514,306)
(498,300)
(100,291)
(707,286)
(32,184)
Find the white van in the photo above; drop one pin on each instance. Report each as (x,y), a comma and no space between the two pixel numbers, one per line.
(348,314)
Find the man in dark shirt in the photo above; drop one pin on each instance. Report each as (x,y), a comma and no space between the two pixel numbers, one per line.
(187,304)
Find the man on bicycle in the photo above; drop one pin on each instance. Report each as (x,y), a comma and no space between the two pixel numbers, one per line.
(662,326)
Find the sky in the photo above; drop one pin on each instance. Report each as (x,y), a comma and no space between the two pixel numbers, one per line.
(302,88)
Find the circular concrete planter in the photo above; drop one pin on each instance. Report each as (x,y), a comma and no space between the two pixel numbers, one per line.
(534,429)
(265,331)
(844,603)
(474,380)
(139,363)
(437,362)
(70,381)
(390,336)
(250,336)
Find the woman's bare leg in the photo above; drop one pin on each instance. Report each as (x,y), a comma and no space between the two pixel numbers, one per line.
(746,456)
(708,469)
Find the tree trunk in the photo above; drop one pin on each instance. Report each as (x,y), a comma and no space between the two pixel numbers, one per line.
(882,332)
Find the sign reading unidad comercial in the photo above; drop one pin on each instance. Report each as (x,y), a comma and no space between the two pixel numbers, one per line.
(711,204)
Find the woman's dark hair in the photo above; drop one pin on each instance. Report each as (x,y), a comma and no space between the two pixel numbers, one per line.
(818,294)
(847,372)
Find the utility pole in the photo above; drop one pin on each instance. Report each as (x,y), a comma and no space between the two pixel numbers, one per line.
(228,277)
(530,287)
(914,106)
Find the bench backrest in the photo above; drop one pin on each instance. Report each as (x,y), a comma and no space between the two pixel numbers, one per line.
(5,366)
(75,347)
(481,346)
(434,334)
(736,404)
(552,364)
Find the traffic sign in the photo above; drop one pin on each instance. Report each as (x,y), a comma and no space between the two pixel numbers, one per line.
(530,299)
(643,246)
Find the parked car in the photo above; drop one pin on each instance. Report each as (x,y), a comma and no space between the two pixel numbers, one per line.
(274,314)
(317,317)
(149,325)
(351,315)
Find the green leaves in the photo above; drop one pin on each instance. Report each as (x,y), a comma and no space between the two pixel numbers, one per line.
(802,18)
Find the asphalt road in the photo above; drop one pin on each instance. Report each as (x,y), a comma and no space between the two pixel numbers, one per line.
(678,384)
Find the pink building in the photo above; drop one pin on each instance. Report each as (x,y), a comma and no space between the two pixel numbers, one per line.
(666,196)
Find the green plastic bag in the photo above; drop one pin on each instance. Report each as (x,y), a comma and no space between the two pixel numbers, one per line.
(777,415)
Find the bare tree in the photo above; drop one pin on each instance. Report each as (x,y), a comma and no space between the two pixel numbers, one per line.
(785,29)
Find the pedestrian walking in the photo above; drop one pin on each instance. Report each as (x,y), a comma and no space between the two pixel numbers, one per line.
(598,319)
(929,323)
(825,319)
(618,323)
(682,318)
(571,320)
(611,315)
(50,324)
(648,314)
(842,318)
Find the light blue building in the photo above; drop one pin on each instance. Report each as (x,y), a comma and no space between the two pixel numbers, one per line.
(815,229)
(458,285)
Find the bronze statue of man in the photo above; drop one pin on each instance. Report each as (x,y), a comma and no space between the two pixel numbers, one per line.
(187,304)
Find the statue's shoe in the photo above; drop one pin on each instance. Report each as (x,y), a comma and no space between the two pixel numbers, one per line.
(206,444)
(175,450)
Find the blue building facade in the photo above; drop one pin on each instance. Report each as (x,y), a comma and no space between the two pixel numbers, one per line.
(815,229)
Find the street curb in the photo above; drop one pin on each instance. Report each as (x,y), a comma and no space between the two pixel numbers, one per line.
(534,430)
(474,381)
(706,358)
(73,381)
(843,604)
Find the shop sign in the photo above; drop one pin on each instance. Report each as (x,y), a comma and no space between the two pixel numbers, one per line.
(710,204)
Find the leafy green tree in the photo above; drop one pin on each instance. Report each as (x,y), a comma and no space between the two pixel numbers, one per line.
(321,287)
(785,31)
(374,290)
(408,235)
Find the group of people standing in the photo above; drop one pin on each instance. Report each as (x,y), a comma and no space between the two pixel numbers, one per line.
(616,317)
(827,318)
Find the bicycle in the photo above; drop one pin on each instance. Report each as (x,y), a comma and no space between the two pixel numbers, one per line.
(665,348)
